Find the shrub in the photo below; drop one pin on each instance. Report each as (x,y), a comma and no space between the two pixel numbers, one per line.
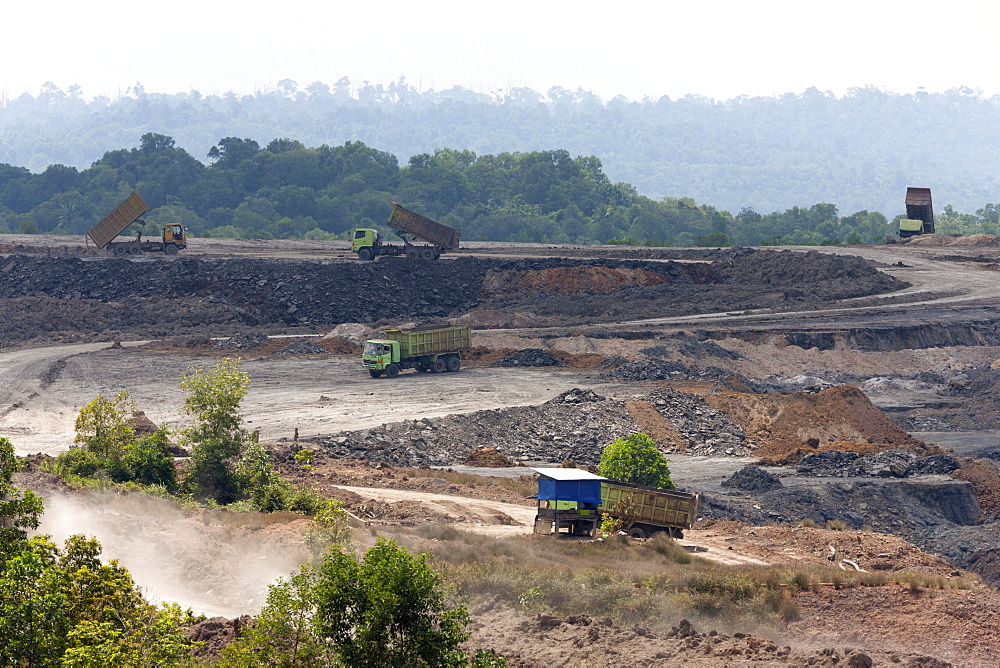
(635,459)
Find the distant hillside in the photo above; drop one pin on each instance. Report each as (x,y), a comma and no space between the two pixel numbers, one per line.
(858,151)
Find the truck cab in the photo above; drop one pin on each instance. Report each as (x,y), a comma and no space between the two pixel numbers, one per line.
(175,234)
(379,354)
(365,242)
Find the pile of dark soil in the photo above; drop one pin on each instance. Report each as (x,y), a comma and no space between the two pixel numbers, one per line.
(888,464)
(73,299)
(244,341)
(753,479)
(529,357)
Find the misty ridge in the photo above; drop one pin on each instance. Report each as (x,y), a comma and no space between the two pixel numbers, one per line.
(858,151)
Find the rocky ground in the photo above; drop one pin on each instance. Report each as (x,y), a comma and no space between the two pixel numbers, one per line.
(804,365)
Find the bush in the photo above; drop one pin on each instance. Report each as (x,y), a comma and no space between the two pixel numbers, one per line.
(635,459)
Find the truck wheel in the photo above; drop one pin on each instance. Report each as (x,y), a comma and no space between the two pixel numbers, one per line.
(427,253)
(392,371)
(170,249)
(454,363)
(366,254)
(134,249)
(119,250)
(636,532)
(438,366)
(413,253)
(375,373)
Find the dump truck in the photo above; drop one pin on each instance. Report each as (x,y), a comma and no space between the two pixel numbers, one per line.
(130,211)
(409,227)
(919,213)
(427,350)
(577,500)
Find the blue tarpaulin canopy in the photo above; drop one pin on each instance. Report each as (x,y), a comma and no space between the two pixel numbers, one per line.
(569,485)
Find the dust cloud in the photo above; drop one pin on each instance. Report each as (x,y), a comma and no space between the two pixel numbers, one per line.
(217,563)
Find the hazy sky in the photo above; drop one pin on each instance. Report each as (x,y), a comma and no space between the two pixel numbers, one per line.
(718,49)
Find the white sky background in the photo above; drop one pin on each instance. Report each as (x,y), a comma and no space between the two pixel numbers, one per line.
(718,49)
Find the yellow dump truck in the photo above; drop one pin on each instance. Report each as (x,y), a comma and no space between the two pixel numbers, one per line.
(575,500)
(130,211)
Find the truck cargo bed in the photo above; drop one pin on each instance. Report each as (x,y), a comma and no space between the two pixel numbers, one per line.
(115,222)
(431,231)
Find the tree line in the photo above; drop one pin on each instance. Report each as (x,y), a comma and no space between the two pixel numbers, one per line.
(286,190)
(859,150)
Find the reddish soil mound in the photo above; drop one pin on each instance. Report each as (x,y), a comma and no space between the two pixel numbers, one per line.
(985,478)
(488,457)
(950,624)
(340,346)
(654,425)
(569,280)
(781,423)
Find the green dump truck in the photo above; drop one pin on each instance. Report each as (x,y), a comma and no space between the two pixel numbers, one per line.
(919,213)
(428,350)
(409,227)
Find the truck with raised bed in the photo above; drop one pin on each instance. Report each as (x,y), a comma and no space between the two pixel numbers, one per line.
(427,350)
(919,213)
(103,234)
(409,227)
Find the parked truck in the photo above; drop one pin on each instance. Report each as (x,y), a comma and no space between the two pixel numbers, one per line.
(919,213)
(130,211)
(427,350)
(409,227)
(577,500)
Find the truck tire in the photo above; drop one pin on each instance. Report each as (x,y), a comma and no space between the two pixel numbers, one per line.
(170,249)
(366,254)
(637,532)
(413,253)
(118,249)
(427,253)
(438,366)
(134,249)
(392,370)
(375,373)
(453,363)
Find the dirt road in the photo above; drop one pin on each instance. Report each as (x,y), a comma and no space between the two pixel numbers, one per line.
(42,390)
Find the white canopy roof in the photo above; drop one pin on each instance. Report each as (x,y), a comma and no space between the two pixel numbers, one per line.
(568,474)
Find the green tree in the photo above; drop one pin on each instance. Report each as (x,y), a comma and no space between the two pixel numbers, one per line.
(387,609)
(104,425)
(19,509)
(635,459)
(217,435)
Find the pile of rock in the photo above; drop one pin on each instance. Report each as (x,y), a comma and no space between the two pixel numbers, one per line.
(575,425)
(707,431)
(888,464)
(243,341)
(753,479)
(529,357)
